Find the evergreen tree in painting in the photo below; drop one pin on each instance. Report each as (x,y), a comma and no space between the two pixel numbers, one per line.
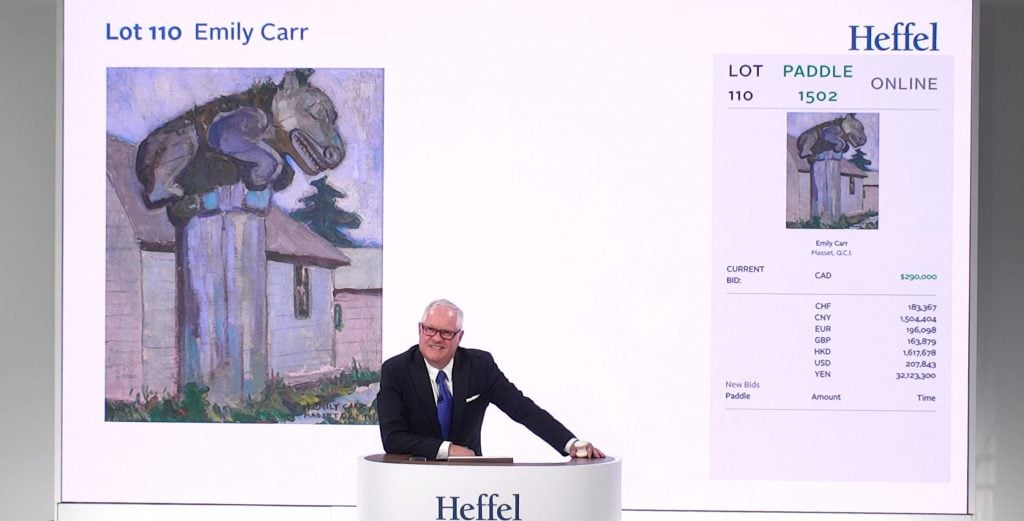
(860,159)
(319,211)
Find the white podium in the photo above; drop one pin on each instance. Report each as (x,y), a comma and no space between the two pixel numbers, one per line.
(392,487)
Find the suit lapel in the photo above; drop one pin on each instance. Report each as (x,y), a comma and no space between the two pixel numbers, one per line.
(460,379)
(424,390)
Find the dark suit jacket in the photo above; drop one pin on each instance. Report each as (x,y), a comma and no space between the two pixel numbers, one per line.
(408,413)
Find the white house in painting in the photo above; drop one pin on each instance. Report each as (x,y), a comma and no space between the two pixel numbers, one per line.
(871,192)
(358,302)
(853,195)
(313,329)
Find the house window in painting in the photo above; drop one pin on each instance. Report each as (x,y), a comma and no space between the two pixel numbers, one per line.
(301,292)
(853,187)
(339,324)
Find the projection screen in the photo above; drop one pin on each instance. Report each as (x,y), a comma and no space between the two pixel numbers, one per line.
(727,243)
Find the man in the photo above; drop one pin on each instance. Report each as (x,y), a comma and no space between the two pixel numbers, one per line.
(433,396)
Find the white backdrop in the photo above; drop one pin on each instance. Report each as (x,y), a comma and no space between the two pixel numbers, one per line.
(547,167)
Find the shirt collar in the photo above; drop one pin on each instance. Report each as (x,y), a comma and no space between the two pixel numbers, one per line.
(432,371)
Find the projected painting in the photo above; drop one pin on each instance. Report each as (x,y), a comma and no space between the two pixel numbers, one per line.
(243,247)
(832,170)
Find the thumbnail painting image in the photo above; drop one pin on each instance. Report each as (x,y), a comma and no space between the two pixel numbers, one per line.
(832,170)
(243,245)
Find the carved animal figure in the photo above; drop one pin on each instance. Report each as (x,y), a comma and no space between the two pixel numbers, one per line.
(836,136)
(243,137)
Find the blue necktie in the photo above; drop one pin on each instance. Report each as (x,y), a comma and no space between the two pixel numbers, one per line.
(444,405)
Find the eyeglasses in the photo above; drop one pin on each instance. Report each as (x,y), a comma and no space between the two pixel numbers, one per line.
(445,334)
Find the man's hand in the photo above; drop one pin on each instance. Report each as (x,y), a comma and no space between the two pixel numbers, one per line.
(459,450)
(591,451)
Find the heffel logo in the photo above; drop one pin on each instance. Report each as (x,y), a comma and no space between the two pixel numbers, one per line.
(486,508)
(902,38)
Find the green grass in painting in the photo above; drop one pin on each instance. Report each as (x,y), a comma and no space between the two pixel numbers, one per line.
(844,222)
(278,403)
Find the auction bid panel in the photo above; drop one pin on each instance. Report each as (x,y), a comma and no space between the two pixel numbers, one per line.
(832,215)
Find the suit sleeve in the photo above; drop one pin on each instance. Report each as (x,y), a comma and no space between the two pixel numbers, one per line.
(522,409)
(396,431)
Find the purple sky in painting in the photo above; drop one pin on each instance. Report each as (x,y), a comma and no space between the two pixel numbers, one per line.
(141,99)
(797,122)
